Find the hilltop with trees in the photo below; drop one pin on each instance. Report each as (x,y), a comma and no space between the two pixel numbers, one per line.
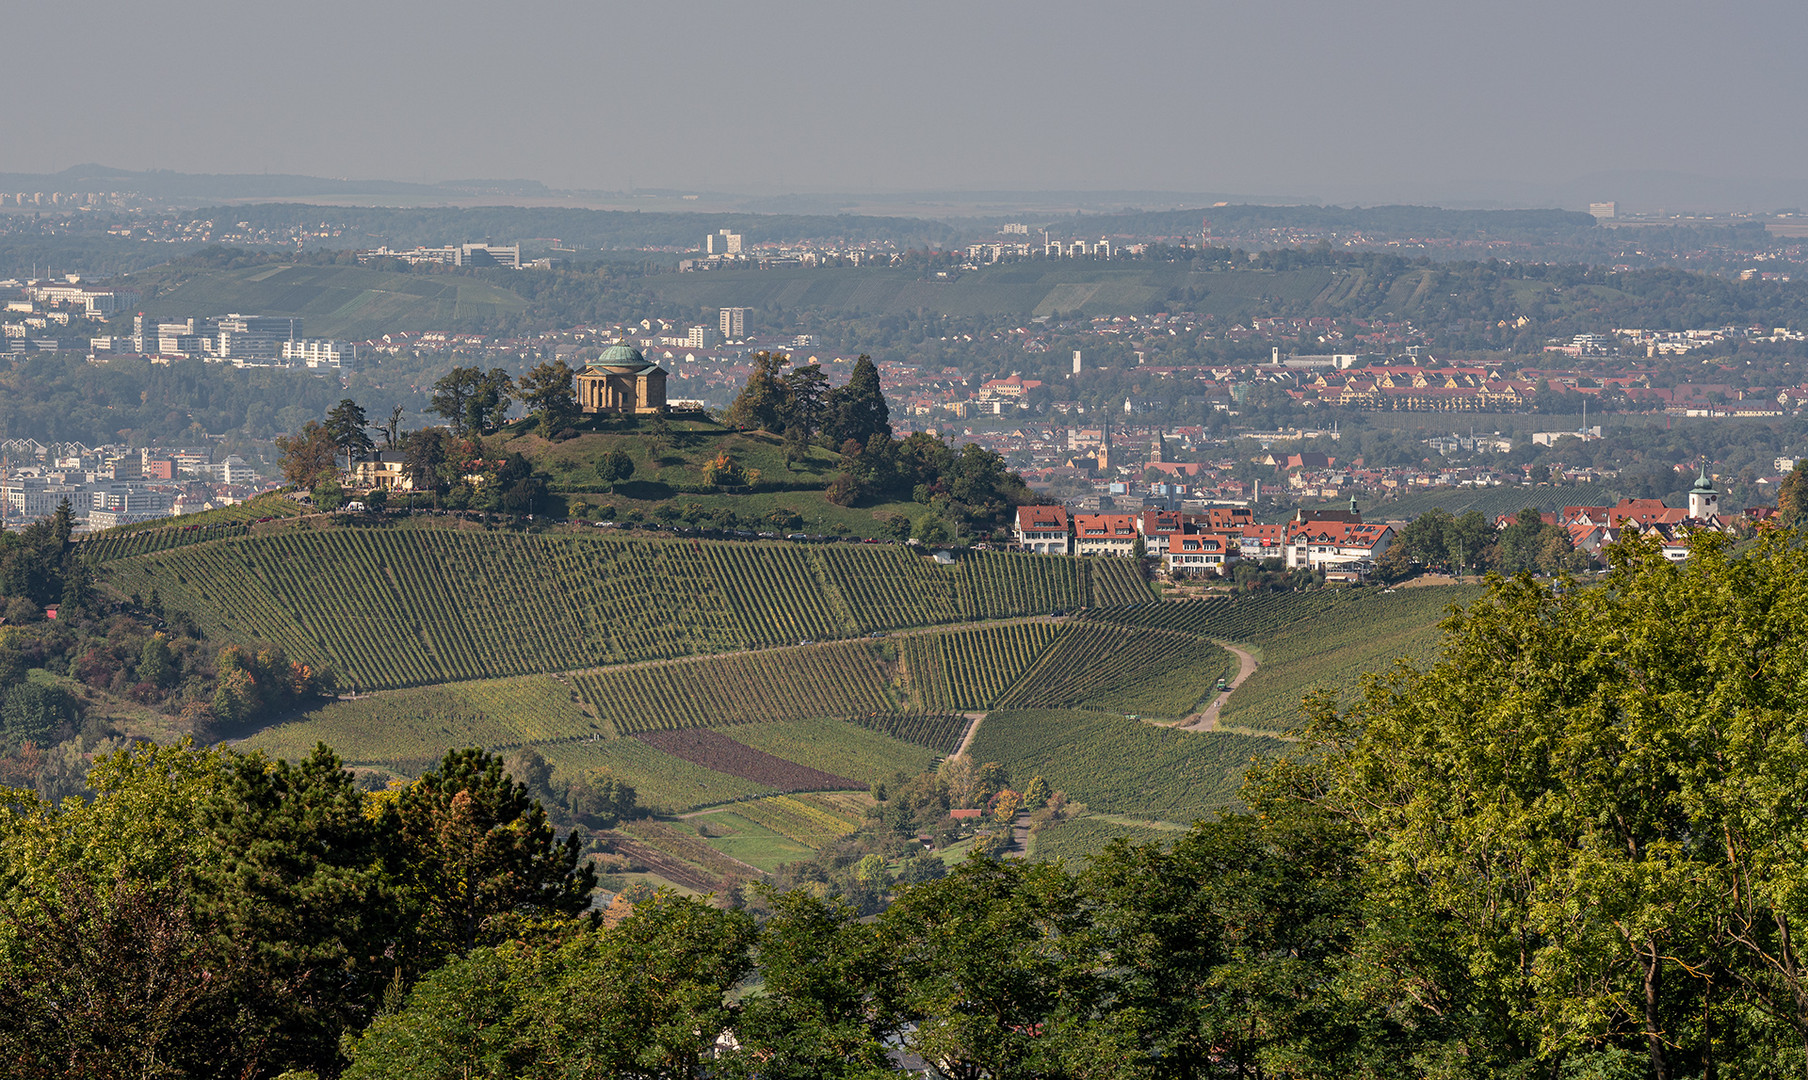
(787,433)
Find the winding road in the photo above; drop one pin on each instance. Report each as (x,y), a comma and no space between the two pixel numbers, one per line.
(1207,719)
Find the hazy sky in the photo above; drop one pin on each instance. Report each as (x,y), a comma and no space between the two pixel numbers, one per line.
(1335,100)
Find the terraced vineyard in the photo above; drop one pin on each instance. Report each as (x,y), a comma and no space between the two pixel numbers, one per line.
(940,732)
(1363,632)
(1202,617)
(665,783)
(1091,665)
(1001,585)
(838,747)
(1248,617)
(777,593)
(393,607)
(779,684)
(969,669)
(165,533)
(886,587)
(714,750)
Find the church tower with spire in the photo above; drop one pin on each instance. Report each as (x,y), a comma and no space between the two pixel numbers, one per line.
(1704,501)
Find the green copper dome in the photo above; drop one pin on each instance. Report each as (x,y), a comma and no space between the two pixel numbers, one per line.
(1703,484)
(620,356)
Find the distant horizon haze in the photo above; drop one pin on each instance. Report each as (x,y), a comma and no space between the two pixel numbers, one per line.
(1655,105)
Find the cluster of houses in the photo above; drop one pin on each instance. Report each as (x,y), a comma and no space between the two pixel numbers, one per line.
(1337,542)
(1209,542)
(1591,528)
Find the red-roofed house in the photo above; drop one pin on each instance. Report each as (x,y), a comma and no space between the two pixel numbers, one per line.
(1200,551)
(1220,518)
(1105,534)
(1333,544)
(1043,529)
(1263,541)
(1157,525)
(1637,511)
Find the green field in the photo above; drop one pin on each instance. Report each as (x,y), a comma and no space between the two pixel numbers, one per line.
(837,747)
(665,783)
(804,819)
(740,837)
(1122,766)
(340,301)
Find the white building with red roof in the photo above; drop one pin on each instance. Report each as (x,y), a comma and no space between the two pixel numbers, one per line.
(1325,545)
(1105,534)
(1263,541)
(1194,552)
(1044,530)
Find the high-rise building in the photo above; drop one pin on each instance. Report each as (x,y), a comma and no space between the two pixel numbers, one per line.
(1603,211)
(255,337)
(508,255)
(1077,362)
(734,323)
(320,352)
(722,242)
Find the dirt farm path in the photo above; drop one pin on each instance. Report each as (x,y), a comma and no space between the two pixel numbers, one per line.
(973,719)
(1207,718)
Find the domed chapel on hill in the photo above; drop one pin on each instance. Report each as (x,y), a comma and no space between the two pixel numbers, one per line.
(622,381)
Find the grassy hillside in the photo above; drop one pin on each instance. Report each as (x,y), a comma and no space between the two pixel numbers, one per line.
(334,301)
(668,471)
(675,459)
(1118,765)
(407,731)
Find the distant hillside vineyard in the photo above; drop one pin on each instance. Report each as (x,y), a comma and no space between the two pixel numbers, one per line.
(390,608)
